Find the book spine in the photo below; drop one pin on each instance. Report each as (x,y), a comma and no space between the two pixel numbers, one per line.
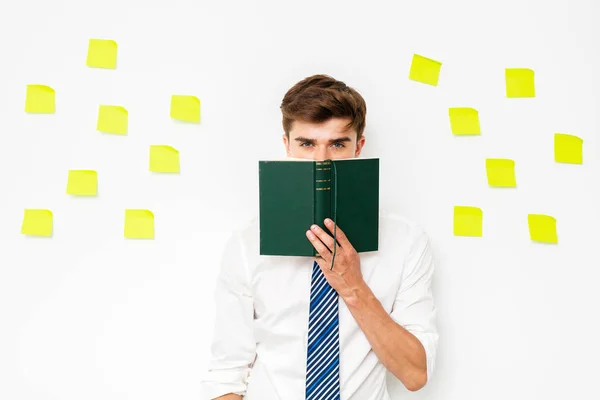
(322,206)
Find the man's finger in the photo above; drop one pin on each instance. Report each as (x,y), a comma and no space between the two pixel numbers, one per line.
(318,245)
(340,236)
(324,236)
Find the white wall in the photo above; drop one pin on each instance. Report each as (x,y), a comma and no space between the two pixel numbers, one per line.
(89,314)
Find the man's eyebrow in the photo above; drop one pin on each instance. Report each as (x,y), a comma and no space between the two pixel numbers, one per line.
(331,141)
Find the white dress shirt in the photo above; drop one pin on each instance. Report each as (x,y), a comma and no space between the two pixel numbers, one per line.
(262,305)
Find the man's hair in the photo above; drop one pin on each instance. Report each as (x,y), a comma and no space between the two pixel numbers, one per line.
(318,98)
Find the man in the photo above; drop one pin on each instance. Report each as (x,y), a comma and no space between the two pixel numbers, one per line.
(291,328)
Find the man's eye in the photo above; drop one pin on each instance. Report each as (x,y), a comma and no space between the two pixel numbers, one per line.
(302,144)
(340,145)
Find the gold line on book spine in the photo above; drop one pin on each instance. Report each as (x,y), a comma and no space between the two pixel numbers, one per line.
(323,169)
(323,188)
(323,180)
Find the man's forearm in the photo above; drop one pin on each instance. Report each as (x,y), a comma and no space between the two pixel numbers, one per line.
(229,396)
(397,349)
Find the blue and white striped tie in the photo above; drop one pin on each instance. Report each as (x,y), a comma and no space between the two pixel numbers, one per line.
(322,364)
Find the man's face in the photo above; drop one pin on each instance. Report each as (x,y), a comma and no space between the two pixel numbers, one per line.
(322,141)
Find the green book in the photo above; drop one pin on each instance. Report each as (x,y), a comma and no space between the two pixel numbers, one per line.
(296,193)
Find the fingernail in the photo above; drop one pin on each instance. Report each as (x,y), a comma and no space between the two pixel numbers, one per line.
(314,228)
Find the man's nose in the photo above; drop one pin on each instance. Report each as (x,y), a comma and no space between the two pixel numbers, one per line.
(321,154)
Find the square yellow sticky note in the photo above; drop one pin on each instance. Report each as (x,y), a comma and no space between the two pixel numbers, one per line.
(102,54)
(164,159)
(112,119)
(37,222)
(468,221)
(425,70)
(500,172)
(82,183)
(542,228)
(139,224)
(40,99)
(185,108)
(520,82)
(464,121)
(568,149)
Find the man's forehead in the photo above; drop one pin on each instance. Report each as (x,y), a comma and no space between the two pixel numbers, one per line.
(320,131)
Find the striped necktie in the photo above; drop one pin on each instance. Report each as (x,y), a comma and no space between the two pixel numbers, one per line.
(322,364)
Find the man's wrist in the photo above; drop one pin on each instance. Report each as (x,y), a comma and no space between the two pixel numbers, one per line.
(359,294)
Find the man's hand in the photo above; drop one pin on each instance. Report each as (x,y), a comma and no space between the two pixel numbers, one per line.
(345,277)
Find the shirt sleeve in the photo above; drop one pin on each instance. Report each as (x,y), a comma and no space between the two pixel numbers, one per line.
(233,348)
(414,307)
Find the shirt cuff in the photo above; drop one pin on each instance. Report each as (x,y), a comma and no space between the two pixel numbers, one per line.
(429,341)
(217,383)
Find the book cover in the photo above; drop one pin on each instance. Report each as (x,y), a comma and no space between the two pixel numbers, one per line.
(296,193)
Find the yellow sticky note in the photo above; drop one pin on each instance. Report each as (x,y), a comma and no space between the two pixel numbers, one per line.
(37,222)
(468,221)
(185,108)
(542,228)
(520,82)
(139,224)
(464,121)
(501,172)
(112,119)
(40,99)
(102,54)
(164,159)
(568,149)
(425,70)
(82,183)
